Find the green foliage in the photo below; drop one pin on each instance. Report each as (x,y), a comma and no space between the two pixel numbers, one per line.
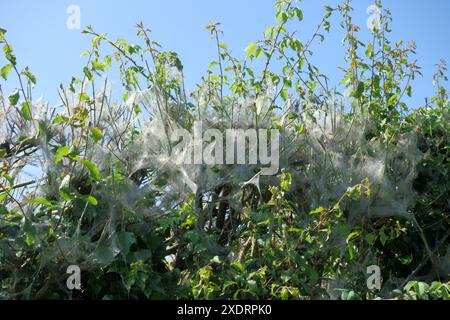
(416,290)
(111,201)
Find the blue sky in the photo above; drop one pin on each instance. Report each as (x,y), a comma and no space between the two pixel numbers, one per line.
(37,30)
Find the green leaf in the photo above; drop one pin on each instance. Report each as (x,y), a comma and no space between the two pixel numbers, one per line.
(239,265)
(2,35)
(349,295)
(73,153)
(383,237)
(105,254)
(96,134)
(351,236)
(95,173)
(308,239)
(283,94)
(422,289)
(14,98)
(60,153)
(409,91)
(126,240)
(42,128)
(359,90)
(26,111)
(319,210)
(250,49)
(65,183)
(282,16)
(3,210)
(65,195)
(5,71)
(258,52)
(83,96)
(73,83)
(87,73)
(299,14)
(97,65)
(29,240)
(30,76)
(64,189)
(213,64)
(392,99)
(268,31)
(90,199)
(370,238)
(7,49)
(3,196)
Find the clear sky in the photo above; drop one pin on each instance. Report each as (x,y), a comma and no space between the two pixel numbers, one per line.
(38,32)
